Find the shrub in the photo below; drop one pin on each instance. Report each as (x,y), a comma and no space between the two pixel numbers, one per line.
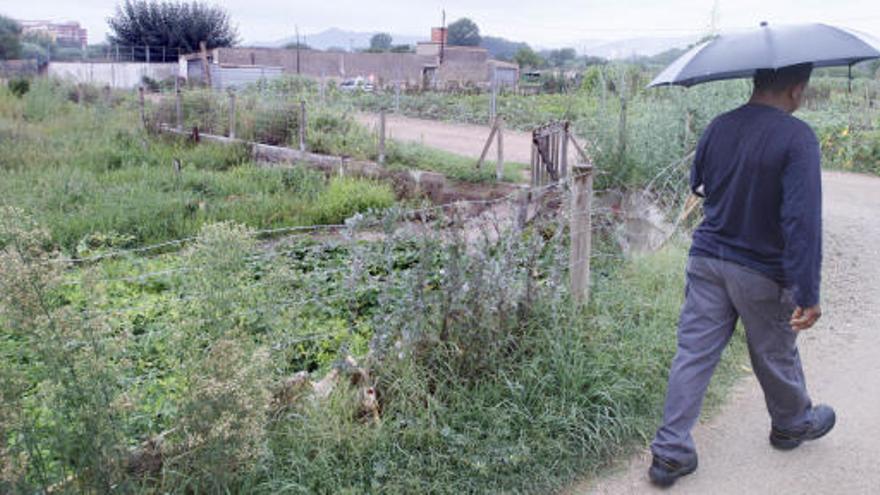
(44,100)
(346,196)
(71,361)
(19,86)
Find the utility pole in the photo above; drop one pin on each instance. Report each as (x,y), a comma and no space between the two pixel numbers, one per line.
(715,19)
(442,36)
(296,28)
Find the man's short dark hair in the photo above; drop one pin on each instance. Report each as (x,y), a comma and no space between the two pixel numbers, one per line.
(777,80)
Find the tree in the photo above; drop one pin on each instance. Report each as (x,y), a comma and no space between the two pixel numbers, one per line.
(464,32)
(10,43)
(500,48)
(527,58)
(562,56)
(380,42)
(293,45)
(171,24)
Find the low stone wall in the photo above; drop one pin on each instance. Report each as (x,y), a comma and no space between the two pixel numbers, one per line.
(436,187)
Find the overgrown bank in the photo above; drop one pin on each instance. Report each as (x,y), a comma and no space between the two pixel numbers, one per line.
(179,378)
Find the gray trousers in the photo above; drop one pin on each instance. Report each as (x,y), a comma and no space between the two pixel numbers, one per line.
(716,295)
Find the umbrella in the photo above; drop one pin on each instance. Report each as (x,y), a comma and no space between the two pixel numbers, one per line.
(736,55)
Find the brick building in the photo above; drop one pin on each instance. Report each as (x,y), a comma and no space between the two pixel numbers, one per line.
(70,34)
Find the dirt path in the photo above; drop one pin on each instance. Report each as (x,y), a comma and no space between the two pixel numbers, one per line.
(842,361)
(461,139)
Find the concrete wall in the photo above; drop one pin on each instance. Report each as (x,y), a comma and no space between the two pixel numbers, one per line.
(382,67)
(123,75)
(461,65)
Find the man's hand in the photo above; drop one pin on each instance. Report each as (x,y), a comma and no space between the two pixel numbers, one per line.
(805,318)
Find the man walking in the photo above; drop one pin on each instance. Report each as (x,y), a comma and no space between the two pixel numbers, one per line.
(756,256)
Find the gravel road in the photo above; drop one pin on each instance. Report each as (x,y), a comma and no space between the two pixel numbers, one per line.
(461,139)
(841,357)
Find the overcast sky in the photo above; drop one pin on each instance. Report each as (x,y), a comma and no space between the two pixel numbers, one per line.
(541,23)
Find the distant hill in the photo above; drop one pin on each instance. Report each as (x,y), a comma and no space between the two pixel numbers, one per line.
(340,38)
(498,47)
(634,47)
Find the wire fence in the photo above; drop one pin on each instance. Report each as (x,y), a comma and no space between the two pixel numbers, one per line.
(340,269)
(557,236)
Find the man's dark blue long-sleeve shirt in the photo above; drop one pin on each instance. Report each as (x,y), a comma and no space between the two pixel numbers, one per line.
(759,170)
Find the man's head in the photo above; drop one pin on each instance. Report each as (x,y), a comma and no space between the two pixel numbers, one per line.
(783,87)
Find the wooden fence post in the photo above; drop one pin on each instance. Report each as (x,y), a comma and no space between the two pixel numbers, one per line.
(563,160)
(142,105)
(382,137)
(487,145)
(499,165)
(206,67)
(581,233)
(178,104)
(232,114)
(621,131)
(688,119)
(493,99)
(302,125)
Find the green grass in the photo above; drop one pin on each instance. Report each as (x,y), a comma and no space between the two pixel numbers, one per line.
(331,130)
(409,156)
(90,172)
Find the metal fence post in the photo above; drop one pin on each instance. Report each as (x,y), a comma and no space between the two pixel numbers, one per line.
(581,233)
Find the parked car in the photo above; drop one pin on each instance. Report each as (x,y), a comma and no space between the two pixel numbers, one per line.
(357,84)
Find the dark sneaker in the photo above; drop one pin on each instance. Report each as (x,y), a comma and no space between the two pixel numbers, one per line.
(665,472)
(823,421)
